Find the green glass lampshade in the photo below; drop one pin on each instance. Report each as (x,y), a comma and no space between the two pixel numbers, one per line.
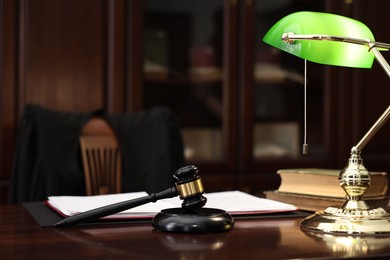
(323,52)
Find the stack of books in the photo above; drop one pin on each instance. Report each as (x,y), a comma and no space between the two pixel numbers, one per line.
(315,189)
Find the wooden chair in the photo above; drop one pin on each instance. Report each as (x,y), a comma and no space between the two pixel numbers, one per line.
(101,158)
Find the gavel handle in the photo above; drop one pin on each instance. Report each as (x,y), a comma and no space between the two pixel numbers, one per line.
(100,212)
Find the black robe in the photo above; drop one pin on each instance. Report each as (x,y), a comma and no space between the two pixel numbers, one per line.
(48,162)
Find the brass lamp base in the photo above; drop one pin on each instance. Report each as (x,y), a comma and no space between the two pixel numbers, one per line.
(354,217)
(360,221)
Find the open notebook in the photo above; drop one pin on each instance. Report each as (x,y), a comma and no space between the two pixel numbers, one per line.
(233,202)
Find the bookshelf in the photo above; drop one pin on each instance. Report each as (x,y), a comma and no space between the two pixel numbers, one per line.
(238,101)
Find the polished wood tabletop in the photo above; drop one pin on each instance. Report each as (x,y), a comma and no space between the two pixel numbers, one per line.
(21,237)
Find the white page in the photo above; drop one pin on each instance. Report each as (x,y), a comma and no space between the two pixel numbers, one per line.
(231,201)
(237,201)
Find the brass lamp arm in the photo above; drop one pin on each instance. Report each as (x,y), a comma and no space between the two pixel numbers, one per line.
(373,130)
(385,116)
(379,57)
(373,47)
(290,37)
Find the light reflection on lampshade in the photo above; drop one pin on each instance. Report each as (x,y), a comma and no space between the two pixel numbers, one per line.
(323,52)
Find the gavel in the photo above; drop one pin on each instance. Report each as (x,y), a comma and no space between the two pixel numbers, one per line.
(188,186)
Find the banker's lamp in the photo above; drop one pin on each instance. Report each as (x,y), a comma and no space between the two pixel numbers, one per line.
(336,40)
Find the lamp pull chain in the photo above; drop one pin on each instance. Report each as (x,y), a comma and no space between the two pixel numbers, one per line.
(305,147)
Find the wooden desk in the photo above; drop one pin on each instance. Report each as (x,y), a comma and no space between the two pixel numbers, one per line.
(22,238)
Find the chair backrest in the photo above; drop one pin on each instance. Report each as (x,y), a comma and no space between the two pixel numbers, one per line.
(101,158)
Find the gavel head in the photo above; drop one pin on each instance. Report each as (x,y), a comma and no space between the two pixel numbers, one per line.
(190,188)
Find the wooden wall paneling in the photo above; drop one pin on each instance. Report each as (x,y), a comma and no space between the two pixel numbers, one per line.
(246,90)
(2,182)
(8,114)
(373,90)
(331,113)
(361,94)
(134,51)
(115,58)
(230,85)
(62,52)
(20,56)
